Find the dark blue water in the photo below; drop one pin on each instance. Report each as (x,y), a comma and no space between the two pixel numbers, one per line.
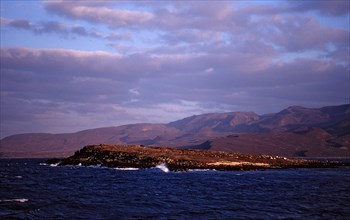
(29,190)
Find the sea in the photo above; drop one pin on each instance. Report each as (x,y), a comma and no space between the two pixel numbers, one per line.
(31,189)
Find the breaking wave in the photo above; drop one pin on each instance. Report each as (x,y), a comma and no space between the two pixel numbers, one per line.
(51,165)
(163,167)
(15,200)
(126,168)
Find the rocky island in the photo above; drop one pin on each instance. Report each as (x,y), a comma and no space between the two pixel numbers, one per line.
(139,156)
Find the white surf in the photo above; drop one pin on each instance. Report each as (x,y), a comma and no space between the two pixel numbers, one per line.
(163,167)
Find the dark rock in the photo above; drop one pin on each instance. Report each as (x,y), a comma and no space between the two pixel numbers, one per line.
(53,161)
(138,156)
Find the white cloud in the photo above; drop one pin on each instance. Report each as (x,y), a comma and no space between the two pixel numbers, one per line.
(134,91)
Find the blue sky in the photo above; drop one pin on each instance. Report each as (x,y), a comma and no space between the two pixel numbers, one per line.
(73,65)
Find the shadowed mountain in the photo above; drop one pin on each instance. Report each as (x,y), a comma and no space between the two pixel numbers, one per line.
(215,122)
(295,131)
(305,141)
(296,116)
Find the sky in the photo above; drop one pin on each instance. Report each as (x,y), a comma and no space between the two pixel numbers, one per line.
(73,65)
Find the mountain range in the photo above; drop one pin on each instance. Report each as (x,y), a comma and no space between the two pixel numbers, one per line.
(295,131)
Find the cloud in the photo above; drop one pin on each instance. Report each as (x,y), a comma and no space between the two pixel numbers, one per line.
(102,14)
(19,23)
(134,92)
(330,8)
(49,27)
(193,36)
(62,29)
(196,25)
(49,85)
(89,71)
(62,63)
(299,34)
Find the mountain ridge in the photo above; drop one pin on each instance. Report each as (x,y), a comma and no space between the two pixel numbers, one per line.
(293,131)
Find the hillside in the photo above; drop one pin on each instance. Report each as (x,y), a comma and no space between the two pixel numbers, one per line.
(295,131)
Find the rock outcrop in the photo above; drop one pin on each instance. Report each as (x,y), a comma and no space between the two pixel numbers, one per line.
(139,156)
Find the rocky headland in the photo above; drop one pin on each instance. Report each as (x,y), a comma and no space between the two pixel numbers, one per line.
(139,156)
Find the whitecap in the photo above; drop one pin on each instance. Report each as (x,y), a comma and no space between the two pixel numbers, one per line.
(21,200)
(163,167)
(95,166)
(126,168)
(54,164)
(51,164)
(19,177)
(15,200)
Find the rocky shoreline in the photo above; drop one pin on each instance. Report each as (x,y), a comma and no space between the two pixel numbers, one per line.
(139,156)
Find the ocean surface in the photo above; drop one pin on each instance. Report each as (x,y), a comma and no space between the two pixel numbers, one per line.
(32,190)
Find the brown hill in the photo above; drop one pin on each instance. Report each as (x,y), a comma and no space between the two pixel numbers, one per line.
(293,131)
(218,122)
(312,142)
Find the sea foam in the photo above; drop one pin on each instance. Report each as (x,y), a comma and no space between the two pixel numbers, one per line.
(15,200)
(200,170)
(51,164)
(126,168)
(163,167)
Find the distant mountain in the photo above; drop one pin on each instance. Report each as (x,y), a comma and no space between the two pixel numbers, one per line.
(217,122)
(305,141)
(295,131)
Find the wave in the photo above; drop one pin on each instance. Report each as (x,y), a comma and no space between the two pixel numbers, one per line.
(15,200)
(126,168)
(163,167)
(200,170)
(97,166)
(51,165)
